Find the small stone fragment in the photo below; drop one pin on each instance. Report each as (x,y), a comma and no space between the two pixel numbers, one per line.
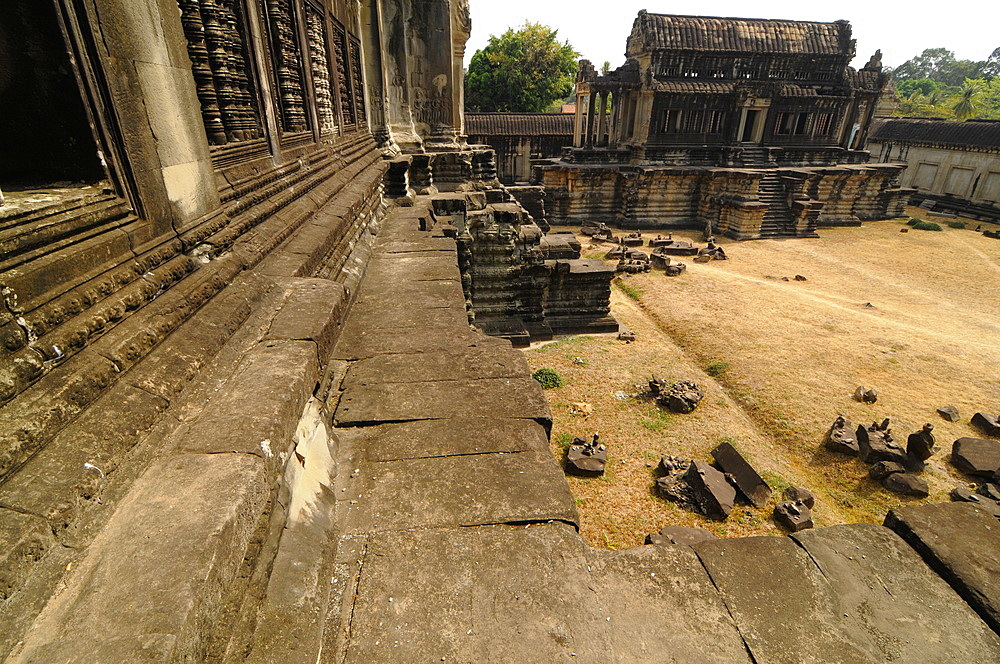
(626,336)
(963,495)
(865,395)
(799,277)
(841,438)
(988,424)
(906,484)
(797,494)
(976,456)
(793,515)
(920,445)
(681,397)
(949,413)
(883,469)
(585,458)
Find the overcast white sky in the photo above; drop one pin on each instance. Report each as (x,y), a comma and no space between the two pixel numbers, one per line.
(901,28)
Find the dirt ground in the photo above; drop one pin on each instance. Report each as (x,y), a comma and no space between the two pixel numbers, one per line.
(914,315)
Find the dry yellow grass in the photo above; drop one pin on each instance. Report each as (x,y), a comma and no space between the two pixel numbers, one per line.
(795,352)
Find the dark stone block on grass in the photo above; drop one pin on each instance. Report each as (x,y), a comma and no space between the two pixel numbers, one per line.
(976,456)
(883,469)
(949,413)
(875,444)
(921,445)
(587,459)
(988,424)
(990,490)
(906,484)
(840,438)
(865,395)
(798,494)
(793,515)
(711,493)
(747,481)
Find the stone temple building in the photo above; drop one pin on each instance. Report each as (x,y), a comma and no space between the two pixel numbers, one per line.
(244,417)
(953,165)
(755,126)
(518,138)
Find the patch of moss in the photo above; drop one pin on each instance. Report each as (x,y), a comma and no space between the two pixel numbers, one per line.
(548,378)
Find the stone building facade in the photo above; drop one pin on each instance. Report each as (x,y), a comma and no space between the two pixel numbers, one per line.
(955,165)
(755,126)
(517,138)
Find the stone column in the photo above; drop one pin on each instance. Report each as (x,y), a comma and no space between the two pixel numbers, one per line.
(461,28)
(578,122)
(393,18)
(378,100)
(436,115)
(602,119)
(589,130)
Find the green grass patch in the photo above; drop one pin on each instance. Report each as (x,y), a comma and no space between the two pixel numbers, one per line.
(716,369)
(657,420)
(777,483)
(913,221)
(630,291)
(564,439)
(927,226)
(548,378)
(957,224)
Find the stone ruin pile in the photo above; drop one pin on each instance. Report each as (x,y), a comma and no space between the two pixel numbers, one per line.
(681,397)
(587,458)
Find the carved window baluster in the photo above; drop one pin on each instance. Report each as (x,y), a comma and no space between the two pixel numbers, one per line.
(287,59)
(357,82)
(343,84)
(219,64)
(320,58)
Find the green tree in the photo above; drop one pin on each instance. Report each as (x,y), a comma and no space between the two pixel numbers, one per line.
(522,70)
(968,99)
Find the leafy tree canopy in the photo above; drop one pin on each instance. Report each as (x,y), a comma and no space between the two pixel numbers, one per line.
(935,84)
(524,70)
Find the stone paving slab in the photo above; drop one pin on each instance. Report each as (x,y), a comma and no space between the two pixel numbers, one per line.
(393,292)
(158,572)
(908,611)
(961,542)
(423,245)
(361,343)
(470,363)
(387,321)
(467,490)
(448,437)
(313,311)
(784,608)
(494,594)
(398,402)
(664,608)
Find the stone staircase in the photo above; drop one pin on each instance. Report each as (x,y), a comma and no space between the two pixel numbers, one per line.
(777,218)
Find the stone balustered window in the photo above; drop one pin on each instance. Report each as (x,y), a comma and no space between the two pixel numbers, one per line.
(357,82)
(217,45)
(345,93)
(319,59)
(287,57)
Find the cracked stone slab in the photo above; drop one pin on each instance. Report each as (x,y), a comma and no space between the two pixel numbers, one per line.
(961,542)
(153,582)
(663,607)
(784,607)
(361,343)
(488,397)
(909,612)
(470,363)
(393,292)
(424,245)
(446,437)
(465,490)
(387,321)
(493,594)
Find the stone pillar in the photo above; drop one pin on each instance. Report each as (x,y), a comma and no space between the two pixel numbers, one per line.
(602,119)
(378,100)
(578,122)
(589,129)
(394,16)
(461,28)
(436,114)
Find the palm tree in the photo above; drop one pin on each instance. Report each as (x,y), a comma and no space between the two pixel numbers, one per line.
(968,100)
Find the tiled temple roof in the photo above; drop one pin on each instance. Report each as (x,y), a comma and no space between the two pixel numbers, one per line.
(519,124)
(975,134)
(715,87)
(653,32)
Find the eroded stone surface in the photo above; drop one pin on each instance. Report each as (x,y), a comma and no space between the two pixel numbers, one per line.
(976,456)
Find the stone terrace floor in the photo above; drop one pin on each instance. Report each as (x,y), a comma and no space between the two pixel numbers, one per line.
(458,539)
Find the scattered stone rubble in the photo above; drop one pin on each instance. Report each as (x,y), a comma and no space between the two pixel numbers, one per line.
(841,438)
(632,240)
(865,395)
(712,252)
(681,397)
(662,261)
(587,458)
(988,424)
(949,413)
(742,475)
(794,513)
(875,443)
